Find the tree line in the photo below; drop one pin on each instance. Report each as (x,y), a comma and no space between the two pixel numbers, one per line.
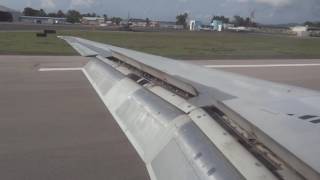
(72,16)
(312,24)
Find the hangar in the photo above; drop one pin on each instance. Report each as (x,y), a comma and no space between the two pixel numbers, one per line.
(8,15)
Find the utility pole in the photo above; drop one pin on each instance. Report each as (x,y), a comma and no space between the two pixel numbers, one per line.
(252,15)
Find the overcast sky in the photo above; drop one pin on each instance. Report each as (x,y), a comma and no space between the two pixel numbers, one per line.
(266,11)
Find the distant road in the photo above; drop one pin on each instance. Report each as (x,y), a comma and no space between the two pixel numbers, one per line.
(299,72)
(4,26)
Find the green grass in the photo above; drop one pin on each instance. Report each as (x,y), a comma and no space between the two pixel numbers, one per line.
(26,43)
(181,45)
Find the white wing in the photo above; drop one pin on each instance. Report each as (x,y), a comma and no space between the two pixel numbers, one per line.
(186,121)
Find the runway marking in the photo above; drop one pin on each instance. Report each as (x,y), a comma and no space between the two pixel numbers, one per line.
(60,69)
(260,65)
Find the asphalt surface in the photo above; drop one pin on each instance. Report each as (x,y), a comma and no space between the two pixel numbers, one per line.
(53,125)
(281,71)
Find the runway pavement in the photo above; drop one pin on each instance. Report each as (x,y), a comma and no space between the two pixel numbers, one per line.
(53,125)
(299,72)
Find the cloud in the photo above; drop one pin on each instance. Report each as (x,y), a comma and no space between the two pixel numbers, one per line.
(183,1)
(274,3)
(28,3)
(267,11)
(77,3)
(48,4)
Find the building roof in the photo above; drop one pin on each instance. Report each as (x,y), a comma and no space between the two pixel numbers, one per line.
(137,20)
(93,18)
(167,22)
(38,17)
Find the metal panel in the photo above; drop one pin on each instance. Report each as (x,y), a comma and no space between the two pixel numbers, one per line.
(156,106)
(190,155)
(250,167)
(172,164)
(272,127)
(148,118)
(84,51)
(119,93)
(205,158)
(172,98)
(102,52)
(103,75)
(156,73)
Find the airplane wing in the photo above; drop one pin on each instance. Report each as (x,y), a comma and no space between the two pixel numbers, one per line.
(190,122)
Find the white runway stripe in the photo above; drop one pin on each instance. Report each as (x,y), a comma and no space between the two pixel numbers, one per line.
(60,69)
(260,65)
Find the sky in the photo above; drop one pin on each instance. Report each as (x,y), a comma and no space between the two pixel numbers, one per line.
(266,11)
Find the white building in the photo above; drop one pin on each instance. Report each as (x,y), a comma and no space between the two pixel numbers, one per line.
(92,20)
(169,25)
(301,31)
(227,25)
(195,25)
(42,20)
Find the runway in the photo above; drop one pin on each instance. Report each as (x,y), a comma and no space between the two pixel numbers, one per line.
(54,126)
(298,72)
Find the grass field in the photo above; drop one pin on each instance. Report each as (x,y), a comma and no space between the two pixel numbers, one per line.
(181,45)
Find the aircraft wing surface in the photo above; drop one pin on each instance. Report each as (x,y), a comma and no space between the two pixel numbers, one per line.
(227,126)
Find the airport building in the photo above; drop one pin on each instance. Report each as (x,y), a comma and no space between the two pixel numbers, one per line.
(138,22)
(195,25)
(42,20)
(8,15)
(169,25)
(134,22)
(301,31)
(216,25)
(93,20)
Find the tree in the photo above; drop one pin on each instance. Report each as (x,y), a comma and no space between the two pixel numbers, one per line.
(116,20)
(42,13)
(312,24)
(52,14)
(247,22)
(220,18)
(308,23)
(182,19)
(147,22)
(60,14)
(90,15)
(238,20)
(73,16)
(105,17)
